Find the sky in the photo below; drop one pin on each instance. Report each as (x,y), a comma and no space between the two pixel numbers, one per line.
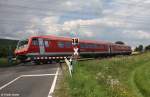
(110,20)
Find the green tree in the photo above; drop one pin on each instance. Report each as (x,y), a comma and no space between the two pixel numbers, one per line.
(139,48)
(147,48)
(4,52)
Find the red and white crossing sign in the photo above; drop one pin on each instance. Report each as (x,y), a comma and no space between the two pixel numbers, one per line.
(76,53)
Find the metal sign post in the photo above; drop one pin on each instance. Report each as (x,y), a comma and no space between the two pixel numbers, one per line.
(73,59)
(69,64)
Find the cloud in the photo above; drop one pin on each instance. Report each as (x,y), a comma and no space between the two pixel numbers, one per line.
(141,35)
(125,20)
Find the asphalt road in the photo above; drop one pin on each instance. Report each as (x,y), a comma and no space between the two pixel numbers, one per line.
(28,80)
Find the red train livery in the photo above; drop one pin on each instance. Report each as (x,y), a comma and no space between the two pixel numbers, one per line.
(45,48)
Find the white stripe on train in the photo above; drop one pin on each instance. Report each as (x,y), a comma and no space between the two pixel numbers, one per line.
(42,58)
(65,53)
(70,53)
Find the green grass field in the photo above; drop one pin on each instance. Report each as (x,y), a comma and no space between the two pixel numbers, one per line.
(121,76)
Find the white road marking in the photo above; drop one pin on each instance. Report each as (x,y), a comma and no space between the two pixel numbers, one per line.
(25,76)
(9,83)
(53,84)
(37,75)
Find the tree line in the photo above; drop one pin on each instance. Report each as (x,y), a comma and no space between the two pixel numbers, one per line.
(6,51)
(141,48)
(7,47)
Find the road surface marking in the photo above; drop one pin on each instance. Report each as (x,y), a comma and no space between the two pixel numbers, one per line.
(53,84)
(9,83)
(25,76)
(37,75)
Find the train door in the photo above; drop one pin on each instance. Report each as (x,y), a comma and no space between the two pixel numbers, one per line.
(110,49)
(41,46)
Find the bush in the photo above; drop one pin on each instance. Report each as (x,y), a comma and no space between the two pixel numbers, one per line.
(4,62)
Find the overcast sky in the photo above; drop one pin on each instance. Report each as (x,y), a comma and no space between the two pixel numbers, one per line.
(111,20)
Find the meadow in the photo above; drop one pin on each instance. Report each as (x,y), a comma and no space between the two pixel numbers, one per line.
(120,76)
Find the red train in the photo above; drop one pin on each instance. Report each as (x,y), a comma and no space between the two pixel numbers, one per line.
(46,48)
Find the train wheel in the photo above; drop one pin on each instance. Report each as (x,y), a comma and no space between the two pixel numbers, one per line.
(50,62)
(45,62)
(37,62)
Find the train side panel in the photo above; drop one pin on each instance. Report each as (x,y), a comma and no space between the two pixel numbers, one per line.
(51,48)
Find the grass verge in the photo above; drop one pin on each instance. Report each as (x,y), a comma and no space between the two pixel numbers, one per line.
(122,76)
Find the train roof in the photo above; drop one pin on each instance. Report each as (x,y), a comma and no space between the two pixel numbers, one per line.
(52,37)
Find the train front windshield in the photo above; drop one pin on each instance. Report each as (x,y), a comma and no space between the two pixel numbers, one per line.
(22,44)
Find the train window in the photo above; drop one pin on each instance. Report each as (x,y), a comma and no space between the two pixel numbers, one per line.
(105,46)
(61,44)
(68,44)
(82,45)
(35,42)
(86,45)
(101,46)
(91,45)
(94,46)
(22,44)
(46,43)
